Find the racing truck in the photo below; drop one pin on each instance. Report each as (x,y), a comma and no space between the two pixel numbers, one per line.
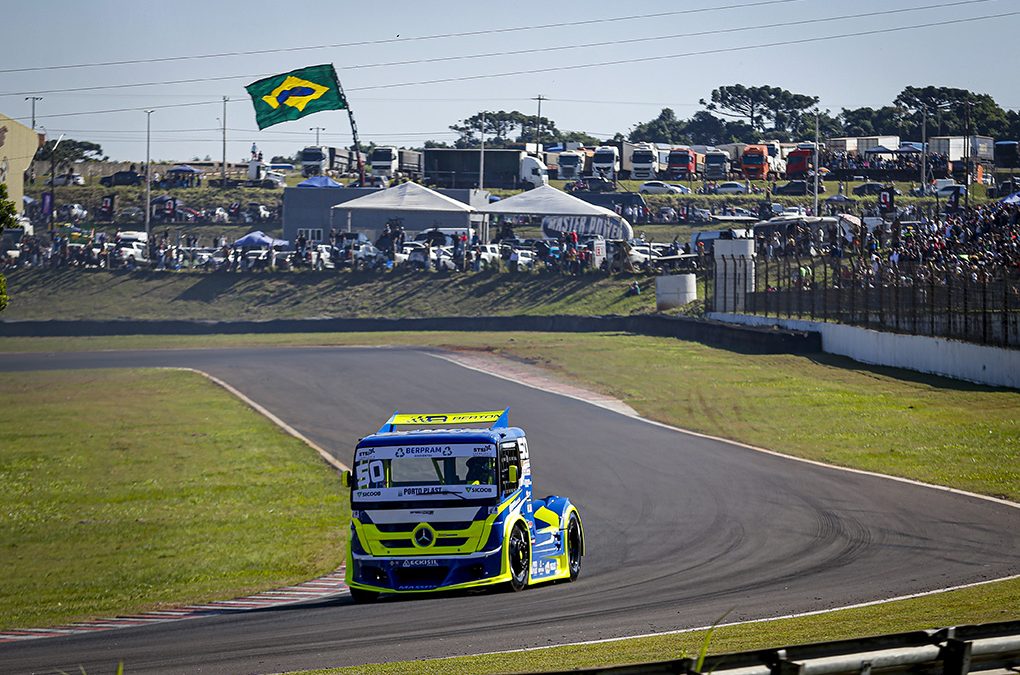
(438,506)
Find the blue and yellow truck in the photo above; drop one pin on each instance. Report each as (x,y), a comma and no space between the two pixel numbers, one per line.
(439,506)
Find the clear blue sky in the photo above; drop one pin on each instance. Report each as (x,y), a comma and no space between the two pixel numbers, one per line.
(866,70)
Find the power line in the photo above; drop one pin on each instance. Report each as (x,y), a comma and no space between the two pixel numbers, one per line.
(440,36)
(518,52)
(705,52)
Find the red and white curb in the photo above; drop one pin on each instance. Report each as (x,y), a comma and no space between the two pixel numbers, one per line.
(323,588)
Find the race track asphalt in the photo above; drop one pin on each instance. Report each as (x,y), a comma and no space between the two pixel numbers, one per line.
(680,529)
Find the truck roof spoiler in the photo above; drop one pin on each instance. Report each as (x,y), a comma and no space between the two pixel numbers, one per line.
(500,419)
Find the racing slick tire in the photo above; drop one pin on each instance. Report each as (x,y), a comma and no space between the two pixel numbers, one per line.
(574,546)
(363,597)
(519,554)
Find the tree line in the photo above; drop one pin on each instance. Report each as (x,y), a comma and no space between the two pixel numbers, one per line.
(742,114)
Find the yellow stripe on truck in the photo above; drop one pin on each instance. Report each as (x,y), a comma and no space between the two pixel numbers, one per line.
(487,416)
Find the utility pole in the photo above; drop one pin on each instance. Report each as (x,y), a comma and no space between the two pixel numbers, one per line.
(148,172)
(481,157)
(484,229)
(316,130)
(53,182)
(223,165)
(33,99)
(538,123)
(967,156)
(924,150)
(814,208)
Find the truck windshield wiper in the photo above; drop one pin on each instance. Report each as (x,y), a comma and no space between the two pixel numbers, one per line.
(449,492)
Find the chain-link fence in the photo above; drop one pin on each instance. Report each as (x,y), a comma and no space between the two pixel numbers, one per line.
(962,299)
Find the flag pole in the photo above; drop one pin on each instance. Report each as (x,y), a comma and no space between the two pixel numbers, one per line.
(354,133)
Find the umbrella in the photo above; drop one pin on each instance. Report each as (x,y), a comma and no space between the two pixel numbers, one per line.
(258,239)
(184,168)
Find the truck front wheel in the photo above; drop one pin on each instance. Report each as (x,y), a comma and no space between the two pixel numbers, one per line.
(519,553)
(574,547)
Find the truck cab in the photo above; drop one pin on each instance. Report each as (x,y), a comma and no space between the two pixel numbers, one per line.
(645,160)
(383,161)
(606,161)
(534,172)
(439,507)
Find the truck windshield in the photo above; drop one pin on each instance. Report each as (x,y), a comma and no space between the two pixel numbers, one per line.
(604,158)
(569,160)
(753,159)
(714,159)
(382,156)
(642,157)
(414,473)
(312,155)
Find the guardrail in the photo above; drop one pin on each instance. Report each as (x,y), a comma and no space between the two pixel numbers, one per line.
(947,651)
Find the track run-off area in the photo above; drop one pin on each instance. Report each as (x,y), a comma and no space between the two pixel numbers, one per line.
(681,529)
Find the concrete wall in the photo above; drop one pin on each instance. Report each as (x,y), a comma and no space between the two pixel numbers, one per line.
(993,366)
(742,339)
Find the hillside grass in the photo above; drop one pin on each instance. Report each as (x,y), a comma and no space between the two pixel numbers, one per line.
(129,490)
(99,295)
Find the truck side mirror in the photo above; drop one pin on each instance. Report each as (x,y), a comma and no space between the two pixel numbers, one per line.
(512,474)
(346,479)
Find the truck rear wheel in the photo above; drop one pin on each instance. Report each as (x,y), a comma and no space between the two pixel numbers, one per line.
(519,553)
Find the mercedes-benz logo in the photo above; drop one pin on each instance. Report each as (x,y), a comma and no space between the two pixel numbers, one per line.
(424,536)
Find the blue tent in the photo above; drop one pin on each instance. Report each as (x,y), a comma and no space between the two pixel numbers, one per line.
(880,150)
(320,182)
(1012,199)
(258,239)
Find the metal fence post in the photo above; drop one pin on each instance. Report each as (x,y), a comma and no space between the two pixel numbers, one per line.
(1005,307)
(736,281)
(725,281)
(931,302)
(984,308)
(950,314)
(825,289)
(966,309)
(767,294)
(896,296)
(853,293)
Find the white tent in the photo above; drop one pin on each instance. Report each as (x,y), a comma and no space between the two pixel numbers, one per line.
(563,213)
(408,197)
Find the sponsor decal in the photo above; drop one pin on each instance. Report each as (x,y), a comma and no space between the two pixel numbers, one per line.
(368,493)
(420,562)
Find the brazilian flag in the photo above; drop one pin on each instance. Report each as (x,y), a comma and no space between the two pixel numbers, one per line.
(291,96)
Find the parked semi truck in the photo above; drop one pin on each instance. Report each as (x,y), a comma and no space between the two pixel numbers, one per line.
(982,148)
(685,163)
(645,162)
(799,161)
(388,162)
(717,165)
(315,160)
(574,164)
(757,164)
(505,169)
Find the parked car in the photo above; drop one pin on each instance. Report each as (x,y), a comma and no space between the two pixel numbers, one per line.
(731,188)
(872,189)
(72,212)
(946,191)
(797,188)
(488,255)
(657,187)
(132,214)
(66,179)
(122,178)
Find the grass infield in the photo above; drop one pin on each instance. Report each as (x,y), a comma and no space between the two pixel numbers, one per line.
(128,490)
